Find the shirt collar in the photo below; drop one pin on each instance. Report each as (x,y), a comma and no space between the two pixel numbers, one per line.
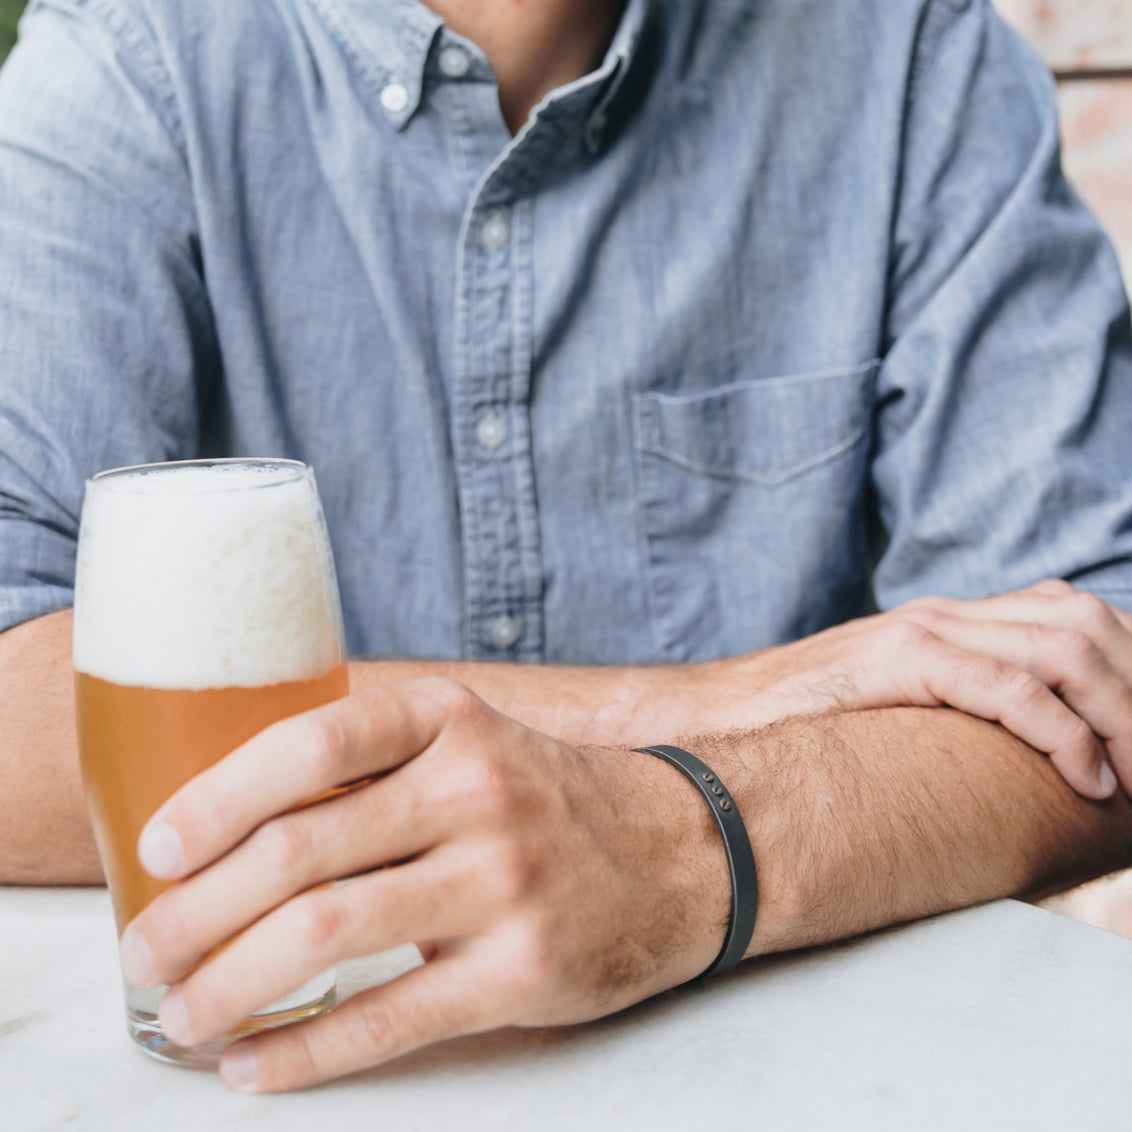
(390,41)
(395,38)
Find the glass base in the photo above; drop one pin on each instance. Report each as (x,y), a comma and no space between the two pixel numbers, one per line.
(312,998)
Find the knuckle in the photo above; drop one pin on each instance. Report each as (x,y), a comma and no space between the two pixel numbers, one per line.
(921,606)
(295,1062)
(457,699)
(507,873)
(1079,648)
(167,926)
(1022,688)
(1087,609)
(486,784)
(1077,746)
(1082,742)
(287,846)
(539,960)
(319,923)
(323,739)
(376,1031)
(925,615)
(906,636)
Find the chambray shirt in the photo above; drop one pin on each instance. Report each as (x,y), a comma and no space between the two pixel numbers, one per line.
(782,312)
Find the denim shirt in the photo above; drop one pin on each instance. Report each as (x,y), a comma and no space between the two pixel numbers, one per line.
(783,313)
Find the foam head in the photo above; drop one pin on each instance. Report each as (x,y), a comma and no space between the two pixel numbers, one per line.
(205,575)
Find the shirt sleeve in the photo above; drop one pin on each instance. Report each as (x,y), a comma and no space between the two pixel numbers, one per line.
(1004,439)
(106,340)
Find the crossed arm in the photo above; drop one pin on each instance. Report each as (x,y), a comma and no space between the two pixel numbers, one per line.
(552,879)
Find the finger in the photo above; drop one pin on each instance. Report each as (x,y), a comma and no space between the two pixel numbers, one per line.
(291,762)
(447,998)
(1057,587)
(936,671)
(386,821)
(1054,604)
(427,898)
(1066,661)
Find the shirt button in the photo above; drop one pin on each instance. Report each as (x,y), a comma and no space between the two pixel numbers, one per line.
(454,62)
(394,98)
(491,431)
(496,232)
(505,631)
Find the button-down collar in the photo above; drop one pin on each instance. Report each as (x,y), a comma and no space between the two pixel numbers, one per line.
(619,63)
(392,42)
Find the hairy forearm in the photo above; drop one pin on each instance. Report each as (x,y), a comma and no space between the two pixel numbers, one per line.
(606,706)
(45,837)
(884,789)
(863,819)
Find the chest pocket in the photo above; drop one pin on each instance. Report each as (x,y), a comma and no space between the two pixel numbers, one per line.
(752,501)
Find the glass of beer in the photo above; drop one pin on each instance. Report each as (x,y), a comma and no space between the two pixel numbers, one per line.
(206,608)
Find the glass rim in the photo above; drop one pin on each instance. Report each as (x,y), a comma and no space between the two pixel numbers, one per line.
(297,468)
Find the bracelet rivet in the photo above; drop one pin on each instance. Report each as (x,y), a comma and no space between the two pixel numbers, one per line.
(709,777)
(717,790)
(725,804)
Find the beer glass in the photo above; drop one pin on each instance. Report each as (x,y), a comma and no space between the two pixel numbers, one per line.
(206,608)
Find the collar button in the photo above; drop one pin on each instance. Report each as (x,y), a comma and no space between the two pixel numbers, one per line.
(454,62)
(394,98)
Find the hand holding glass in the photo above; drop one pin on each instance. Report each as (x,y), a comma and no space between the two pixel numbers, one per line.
(206,608)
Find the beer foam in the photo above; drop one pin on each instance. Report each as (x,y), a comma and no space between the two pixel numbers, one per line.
(205,576)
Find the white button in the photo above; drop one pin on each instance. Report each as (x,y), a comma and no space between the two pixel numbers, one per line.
(491,431)
(394,98)
(496,232)
(505,632)
(454,62)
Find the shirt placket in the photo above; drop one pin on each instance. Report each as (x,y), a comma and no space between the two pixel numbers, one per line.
(503,566)
(494,464)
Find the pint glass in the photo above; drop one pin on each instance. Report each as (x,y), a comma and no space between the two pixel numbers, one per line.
(206,608)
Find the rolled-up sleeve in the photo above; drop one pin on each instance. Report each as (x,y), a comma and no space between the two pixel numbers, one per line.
(106,343)
(1004,445)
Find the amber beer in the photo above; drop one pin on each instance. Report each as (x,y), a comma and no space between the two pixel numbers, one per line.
(206,608)
(123,726)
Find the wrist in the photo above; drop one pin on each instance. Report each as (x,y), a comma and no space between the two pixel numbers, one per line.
(737,846)
(673,837)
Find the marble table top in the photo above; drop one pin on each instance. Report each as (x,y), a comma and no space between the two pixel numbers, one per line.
(999,1017)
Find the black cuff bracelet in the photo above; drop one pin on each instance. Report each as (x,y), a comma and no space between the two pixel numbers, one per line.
(744,879)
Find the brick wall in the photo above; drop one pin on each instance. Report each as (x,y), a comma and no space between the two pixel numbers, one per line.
(1088,43)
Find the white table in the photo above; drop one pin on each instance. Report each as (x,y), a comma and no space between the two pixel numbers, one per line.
(1002,1017)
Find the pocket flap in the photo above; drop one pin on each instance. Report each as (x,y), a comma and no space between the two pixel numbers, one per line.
(763,431)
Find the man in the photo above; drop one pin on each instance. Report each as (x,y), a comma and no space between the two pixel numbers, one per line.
(617,334)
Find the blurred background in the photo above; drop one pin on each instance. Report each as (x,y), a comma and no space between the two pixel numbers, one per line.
(1088,46)
(9,13)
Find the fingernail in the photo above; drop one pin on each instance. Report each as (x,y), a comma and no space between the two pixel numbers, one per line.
(1106,780)
(160,851)
(174,1017)
(137,962)
(239,1069)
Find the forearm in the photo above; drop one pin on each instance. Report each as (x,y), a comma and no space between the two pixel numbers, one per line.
(605,706)
(864,819)
(45,837)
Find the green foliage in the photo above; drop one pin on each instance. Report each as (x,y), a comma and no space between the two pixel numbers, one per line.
(10,12)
